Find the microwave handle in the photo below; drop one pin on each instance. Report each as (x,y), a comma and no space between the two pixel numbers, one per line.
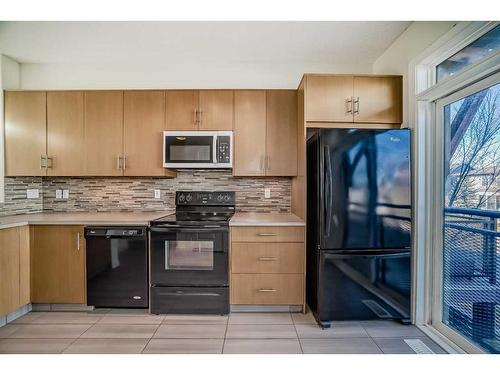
(216,149)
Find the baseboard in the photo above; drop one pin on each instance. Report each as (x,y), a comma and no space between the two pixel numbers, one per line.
(266,308)
(61,307)
(23,310)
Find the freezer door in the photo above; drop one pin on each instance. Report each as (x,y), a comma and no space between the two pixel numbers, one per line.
(365,201)
(364,286)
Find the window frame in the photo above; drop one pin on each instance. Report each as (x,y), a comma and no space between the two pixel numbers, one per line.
(424,92)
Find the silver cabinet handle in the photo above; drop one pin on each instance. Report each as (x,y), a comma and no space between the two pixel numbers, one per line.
(43,162)
(266,234)
(356,105)
(267,259)
(119,162)
(268,163)
(265,290)
(124,162)
(261,164)
(201,117)
(349,105)
(49,165)
(78,241)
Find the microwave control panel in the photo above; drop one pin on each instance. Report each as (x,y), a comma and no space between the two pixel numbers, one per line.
(224,149)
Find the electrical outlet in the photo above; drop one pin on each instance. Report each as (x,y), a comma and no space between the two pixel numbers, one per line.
(58,194)
(267,193)
(32,193)
(157,194)
(65,194)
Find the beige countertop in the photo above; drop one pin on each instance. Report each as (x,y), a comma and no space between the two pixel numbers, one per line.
(245,219)
(82,218)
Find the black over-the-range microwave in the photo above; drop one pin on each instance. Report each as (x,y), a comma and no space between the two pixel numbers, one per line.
(198,149)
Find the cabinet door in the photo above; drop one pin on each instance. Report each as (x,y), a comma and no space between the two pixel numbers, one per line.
(103,133)
(249,132)
(327,98)
(9,270)
(24,265)
(182,107)
(65,133)
(216,109)
(143,124)
(281,133)
(380,100)
(57,264)
(25,132)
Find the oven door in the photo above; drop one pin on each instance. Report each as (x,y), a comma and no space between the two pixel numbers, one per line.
(189,149)
(189,256)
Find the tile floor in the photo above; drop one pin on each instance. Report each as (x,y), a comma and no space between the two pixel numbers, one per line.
(135,331)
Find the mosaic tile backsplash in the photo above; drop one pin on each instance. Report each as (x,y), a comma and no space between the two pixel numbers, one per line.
(137,194)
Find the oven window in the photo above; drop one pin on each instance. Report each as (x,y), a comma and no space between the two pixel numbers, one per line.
(190,153)
(189,255)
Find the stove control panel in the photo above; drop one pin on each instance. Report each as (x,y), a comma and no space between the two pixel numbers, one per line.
(205,198)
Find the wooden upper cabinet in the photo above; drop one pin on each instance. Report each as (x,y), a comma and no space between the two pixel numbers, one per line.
(281,134)
(378,99)
(103,133)
(216,110)
(182,107)
(57,264)
(25,133)
(144,122)
(249,132)
(328,98)
(65,133)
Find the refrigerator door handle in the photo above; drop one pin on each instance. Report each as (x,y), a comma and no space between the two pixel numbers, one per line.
(328,192)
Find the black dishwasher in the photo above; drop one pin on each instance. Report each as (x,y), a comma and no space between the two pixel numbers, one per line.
(117,266)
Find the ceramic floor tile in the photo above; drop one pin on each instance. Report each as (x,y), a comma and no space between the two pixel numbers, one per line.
(261,331)
(120,331)
(34,346)
(299,318)
(8,330)
(388,329)
(184,346)
(107,346)
(195,319)
(49,331)
(337,330)
(67,318)
(399,346)
(29,318)
(260,318)
(128,312)
(131,319)
(191,331)
(340,346)
(258,346)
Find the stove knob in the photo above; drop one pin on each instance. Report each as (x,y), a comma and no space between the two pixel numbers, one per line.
(189,197)
(182,198)
(227,198)
(220,198)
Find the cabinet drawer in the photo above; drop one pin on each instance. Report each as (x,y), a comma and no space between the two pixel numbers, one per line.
(267,289)
(267,234)
(248,257)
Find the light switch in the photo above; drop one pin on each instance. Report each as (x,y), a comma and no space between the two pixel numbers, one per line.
(267,193)
(32,193)
(65,194)
(157,194)
(58,194)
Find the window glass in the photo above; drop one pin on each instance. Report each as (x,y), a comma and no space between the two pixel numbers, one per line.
(486,45)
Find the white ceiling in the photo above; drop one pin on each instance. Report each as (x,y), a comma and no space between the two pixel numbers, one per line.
(187,42)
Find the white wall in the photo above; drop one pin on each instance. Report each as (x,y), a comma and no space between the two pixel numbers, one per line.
(411,43)
(9,79)
(188,75)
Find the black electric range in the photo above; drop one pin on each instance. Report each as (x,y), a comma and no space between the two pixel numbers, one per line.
(189,255)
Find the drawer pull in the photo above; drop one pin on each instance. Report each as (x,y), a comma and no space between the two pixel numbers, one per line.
(266,234)
(267,259)
(266,290)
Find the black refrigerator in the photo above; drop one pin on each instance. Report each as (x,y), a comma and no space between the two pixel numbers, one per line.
(358,224)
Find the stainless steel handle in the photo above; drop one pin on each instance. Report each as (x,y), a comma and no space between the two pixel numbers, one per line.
(43,162)
(268,163)
(49,165)
(266,234)
(78,241)
(267,259)
(266,290)
(349,105)
(356,105)
(261,164)
(124,162)
(119,162)
(200,118)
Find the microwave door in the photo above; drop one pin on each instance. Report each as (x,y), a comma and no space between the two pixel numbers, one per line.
(189,150)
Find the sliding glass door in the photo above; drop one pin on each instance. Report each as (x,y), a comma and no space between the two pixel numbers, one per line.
(466,304)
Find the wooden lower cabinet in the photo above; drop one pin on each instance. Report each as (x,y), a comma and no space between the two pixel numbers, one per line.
(14,269)
(267,265)
(267,289)
(57,264)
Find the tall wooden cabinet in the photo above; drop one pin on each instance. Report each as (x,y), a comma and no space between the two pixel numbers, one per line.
(265,133)
(25,133)
(57,264)
(14,269)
